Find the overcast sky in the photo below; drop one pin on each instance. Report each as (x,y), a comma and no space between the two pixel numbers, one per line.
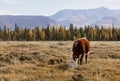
(49,7)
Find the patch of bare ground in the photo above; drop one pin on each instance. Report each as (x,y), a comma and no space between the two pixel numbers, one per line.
(49,61)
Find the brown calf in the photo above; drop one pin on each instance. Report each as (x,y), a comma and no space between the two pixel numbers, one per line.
(80,49)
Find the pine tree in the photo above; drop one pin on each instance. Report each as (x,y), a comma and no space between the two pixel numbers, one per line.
(42,35)
(62,33)
(71,29)
(30,35)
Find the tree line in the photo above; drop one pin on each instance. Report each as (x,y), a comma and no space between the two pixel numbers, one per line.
(51,33)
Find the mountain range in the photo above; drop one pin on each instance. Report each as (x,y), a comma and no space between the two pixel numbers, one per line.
(81,17)
(98,16)
(25,21)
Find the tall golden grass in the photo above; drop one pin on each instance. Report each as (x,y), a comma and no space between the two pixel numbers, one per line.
(49,61)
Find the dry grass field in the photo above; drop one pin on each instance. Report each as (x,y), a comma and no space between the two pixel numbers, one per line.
(49,61)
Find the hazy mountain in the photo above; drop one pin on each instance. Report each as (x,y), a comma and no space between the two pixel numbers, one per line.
(108,21)
(81,17)
(25,21)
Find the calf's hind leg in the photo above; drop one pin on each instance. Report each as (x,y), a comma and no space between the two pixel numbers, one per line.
(86,57)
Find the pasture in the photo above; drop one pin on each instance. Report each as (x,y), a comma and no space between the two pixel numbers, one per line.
(49,61)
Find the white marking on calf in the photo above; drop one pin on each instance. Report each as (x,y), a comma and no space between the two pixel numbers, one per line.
(76,44)
(73,63)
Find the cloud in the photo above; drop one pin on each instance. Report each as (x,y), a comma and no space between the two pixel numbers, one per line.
(8,1)
(3,12)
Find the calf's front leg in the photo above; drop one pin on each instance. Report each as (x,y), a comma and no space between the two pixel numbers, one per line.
(82,58)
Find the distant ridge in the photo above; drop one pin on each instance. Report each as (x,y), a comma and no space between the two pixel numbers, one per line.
(25,21)
(81,17)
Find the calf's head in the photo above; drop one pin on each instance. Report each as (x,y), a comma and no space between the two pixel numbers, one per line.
(76,50)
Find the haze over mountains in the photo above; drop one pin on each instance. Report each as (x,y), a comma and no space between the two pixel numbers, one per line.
(80,17)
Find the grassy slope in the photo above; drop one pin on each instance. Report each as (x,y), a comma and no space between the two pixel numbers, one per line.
(48,61)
